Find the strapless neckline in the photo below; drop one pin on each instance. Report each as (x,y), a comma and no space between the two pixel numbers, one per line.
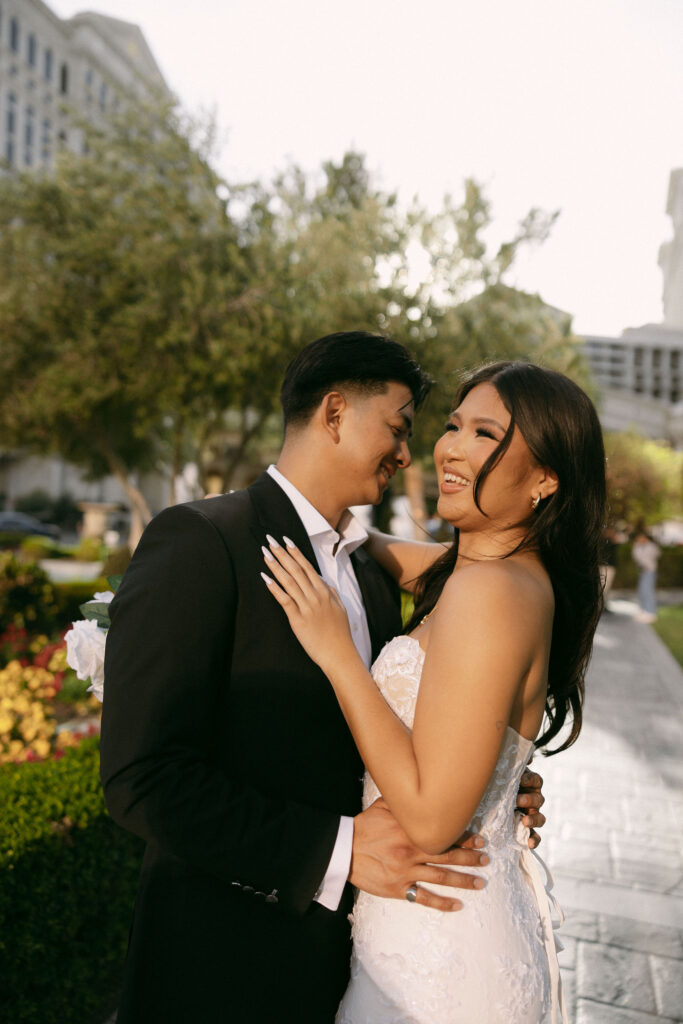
(421,655)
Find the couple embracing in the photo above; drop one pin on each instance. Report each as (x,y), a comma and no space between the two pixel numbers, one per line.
(261,693)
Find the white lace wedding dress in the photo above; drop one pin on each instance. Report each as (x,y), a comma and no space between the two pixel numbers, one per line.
(494,961)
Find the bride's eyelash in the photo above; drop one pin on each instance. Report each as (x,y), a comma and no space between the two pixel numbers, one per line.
(450,426)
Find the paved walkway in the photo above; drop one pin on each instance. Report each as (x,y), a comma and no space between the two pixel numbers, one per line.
(614,839)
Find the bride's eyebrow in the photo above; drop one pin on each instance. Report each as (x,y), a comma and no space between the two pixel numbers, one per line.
(455,415)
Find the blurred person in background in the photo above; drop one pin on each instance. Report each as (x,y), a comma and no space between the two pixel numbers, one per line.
(646,555)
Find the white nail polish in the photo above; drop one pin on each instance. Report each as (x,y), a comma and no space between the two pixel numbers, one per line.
(267,555)
(271,540)
(267,579)
(288,542)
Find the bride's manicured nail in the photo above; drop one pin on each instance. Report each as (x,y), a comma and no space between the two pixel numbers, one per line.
(479,883)
(267,555)
(484,859)
(267,580)
(288,542)
(479,842)
(271,540)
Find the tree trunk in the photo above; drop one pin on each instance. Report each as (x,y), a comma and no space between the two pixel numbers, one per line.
(414,485)
(140,512)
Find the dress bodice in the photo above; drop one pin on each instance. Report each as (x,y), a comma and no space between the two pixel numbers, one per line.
(397,672)
(496,959)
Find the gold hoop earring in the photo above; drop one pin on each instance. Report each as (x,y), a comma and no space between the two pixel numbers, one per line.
(536,502)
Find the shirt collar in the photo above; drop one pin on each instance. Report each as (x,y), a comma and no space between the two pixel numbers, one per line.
(350,534)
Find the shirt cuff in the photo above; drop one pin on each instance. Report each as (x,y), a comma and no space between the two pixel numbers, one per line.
(331,888)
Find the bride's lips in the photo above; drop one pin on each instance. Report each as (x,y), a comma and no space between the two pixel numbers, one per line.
(453,483)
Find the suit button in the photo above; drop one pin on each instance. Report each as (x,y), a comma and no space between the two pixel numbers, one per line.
(247,888)
(272,897)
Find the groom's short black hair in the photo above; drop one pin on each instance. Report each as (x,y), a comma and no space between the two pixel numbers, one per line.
(356,360)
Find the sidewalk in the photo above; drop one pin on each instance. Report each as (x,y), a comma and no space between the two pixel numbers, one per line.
(614,838)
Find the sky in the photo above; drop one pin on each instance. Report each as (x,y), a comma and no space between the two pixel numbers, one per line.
(574,106)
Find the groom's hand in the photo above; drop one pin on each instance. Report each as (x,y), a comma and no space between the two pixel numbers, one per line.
(385,862)
(530,799)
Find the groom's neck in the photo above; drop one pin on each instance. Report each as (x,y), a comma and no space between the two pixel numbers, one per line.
(314,479)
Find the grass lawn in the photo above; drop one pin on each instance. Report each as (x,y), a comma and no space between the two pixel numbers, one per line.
(669,626)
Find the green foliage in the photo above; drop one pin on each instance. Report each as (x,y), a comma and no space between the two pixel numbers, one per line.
(148,309)
(669,568)
(90,549)
(67,882)
(27,598)
(34,547)
(70,597)
(117,561)
(61,511)
(644,479)
(669,627)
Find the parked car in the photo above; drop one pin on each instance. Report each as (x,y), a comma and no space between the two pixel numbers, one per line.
(20,522)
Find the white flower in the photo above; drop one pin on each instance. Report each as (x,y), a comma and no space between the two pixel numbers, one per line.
(85,643)
(103,596)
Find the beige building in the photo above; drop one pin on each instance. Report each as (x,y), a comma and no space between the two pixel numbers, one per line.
(51,69)
(641,372)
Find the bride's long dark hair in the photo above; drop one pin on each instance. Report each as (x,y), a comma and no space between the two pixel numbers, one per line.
(561,428)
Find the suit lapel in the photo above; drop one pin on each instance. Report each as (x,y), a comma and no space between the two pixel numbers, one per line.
(276,515)
(384,619)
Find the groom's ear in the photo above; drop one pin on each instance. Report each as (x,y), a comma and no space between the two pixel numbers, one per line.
(331,414)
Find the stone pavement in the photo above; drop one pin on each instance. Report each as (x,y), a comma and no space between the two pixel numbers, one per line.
(614,838)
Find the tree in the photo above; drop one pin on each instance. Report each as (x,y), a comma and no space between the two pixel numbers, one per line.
(119,273)
(644,479)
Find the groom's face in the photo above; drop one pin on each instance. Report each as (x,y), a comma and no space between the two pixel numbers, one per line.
(374,442)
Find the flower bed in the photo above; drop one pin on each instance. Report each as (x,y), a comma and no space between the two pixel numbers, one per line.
(67,882)
(38,693)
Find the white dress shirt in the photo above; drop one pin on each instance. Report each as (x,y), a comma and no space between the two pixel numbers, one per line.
(332,549)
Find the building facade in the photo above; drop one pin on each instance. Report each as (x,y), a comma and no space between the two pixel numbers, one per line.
(640,373)
(55,72)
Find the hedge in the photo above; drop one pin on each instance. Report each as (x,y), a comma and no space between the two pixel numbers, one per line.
(68,876)
(669,569)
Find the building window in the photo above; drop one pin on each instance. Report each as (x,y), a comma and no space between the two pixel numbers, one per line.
(32,50)
(9,152)
(47,65)
(46,140)
(638,357)
(11,113)
(14,35)
(675,356)
(656,356)
(64,79)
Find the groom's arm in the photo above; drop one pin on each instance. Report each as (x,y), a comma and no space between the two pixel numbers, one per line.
(168,658)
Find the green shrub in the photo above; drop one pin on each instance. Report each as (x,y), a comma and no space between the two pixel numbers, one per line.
(90,549)
(669,569)
(117,561)
(62,511)
(35,547)
(27,597)
(70,596)
(11,541)
(68,876)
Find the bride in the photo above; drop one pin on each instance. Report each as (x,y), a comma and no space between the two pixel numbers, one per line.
(501,635)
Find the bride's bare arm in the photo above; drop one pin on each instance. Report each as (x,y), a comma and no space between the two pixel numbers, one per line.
(469,682)
(405,560)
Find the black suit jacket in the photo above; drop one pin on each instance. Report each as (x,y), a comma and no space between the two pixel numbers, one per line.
(223,747)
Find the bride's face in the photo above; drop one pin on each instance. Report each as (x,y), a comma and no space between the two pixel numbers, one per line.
(473,432)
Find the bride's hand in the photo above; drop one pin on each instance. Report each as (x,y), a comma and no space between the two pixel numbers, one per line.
(314,609)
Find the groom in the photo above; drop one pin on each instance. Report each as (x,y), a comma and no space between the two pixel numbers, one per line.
(223,745)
